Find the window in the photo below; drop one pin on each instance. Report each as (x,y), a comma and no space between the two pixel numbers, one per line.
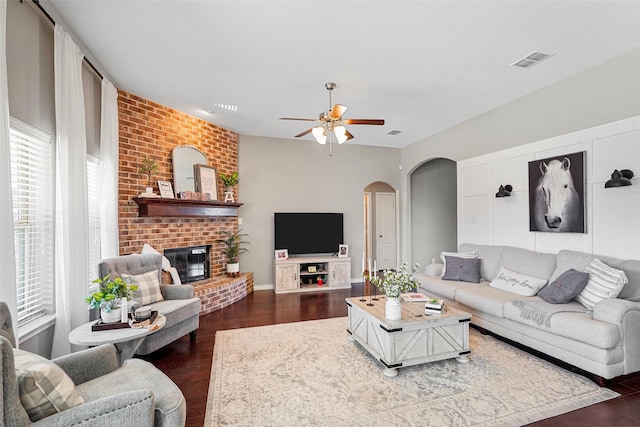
(32,188)
(93,201)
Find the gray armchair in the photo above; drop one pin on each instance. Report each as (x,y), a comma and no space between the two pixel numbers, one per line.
(136,394)
(180,306)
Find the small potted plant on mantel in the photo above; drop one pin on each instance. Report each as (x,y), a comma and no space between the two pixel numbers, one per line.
(229,182)
(148,167)
(109,297)
(232,248)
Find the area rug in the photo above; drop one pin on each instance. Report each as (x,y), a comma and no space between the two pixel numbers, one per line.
(310,374)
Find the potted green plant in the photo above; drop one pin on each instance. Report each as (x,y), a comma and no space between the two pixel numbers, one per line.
(108,297)
(392,284)
(148,167)
(232,248)
(230,180)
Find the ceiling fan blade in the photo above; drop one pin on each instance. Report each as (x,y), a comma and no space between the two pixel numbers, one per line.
(303,133)
(349,135)
(337,111)
(364,121)
(303,120)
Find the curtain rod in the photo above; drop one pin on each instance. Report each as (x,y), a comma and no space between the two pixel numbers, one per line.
(37,3)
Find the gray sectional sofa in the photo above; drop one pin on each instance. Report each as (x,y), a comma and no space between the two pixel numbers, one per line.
(604,342)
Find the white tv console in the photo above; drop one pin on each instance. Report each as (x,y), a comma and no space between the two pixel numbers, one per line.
(298,275)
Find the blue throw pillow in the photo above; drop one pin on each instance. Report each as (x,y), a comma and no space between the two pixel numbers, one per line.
(565,288)
(462,269)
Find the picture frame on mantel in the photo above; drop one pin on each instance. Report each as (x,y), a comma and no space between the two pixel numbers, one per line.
(166,190)
(206,178)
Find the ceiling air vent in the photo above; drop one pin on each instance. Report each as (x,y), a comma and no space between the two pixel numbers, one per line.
(532,59)
(394,132)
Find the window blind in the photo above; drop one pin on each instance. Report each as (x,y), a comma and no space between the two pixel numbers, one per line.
(93,189)
(32,191)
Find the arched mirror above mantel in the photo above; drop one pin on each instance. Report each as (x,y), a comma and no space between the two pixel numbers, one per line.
(184,157)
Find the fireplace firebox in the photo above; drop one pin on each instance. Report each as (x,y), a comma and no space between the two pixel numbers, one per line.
(191,262)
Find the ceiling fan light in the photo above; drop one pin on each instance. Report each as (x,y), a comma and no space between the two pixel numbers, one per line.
(341,133)
(319,134)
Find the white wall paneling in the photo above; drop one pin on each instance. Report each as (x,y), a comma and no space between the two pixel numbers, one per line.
(611,213)
(616,152)
(475,180)
(617,212)
(476,219)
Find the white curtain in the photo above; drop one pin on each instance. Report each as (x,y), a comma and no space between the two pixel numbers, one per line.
(109,171)
(8,292)
(72,218)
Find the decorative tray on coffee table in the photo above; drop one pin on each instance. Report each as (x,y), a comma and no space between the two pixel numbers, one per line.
(101,326)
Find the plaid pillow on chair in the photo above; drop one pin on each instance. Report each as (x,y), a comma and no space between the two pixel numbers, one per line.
(148,287)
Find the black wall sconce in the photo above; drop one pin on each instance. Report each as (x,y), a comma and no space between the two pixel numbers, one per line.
(619,178)
(504,191)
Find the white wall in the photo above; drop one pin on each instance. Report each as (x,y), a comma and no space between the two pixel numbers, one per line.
(282,175)
(612,214)
(600,95)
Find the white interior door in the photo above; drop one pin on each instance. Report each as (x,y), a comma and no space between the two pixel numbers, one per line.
(385,232)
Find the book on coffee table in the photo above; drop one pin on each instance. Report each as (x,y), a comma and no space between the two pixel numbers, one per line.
(434,306)
(415,297)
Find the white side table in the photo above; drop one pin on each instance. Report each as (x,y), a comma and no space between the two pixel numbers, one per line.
(126,340)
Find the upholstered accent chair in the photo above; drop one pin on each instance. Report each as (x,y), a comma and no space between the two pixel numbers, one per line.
(105,394)
(180,306)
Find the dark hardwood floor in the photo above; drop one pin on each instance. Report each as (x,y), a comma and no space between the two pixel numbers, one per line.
(189,364)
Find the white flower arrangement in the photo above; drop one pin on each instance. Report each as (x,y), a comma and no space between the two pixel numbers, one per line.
(395,282)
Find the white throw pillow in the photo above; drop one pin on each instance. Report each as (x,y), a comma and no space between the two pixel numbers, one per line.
(148,249)
(604,282)
(148,287)
(44,388)
(469,254)
(518,283)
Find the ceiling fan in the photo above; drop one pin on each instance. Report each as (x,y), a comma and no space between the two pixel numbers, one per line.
(332,122)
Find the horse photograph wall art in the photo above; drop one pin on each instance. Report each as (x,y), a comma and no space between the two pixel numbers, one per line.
(556,194)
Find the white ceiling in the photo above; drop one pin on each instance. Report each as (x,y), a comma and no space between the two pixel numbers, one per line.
(423,66)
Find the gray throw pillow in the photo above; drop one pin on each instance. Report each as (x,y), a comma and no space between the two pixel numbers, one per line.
(462,269)
(565,288)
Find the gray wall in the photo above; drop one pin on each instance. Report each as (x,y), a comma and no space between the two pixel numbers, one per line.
(281,175)
(433,210)
(30,66)
(603,94)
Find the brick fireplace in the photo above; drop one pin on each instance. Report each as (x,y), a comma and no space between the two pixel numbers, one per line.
(148,128)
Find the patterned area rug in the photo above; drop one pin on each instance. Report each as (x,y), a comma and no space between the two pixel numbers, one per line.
(310,374)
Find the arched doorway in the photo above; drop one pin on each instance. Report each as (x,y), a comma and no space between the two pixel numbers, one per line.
(433,210)
(380,225)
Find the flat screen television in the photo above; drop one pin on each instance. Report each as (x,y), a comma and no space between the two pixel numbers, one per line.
(308,232)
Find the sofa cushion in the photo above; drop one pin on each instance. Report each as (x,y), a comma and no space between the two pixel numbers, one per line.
(148,287)
(580,260)
(571,324)
(170,405)
(175,311)
(490,256)
(527,262)
(463,269)
(486,299)
(604,282)
(443,255)
(518,283)
(443,288)
(565,288)
(44,388)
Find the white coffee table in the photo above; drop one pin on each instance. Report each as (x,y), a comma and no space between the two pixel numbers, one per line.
(416,338)
(126,340)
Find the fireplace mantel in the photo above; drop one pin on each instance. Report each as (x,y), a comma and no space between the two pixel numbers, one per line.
(156,206)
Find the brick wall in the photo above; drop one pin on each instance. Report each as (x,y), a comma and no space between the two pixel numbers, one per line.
(152,129)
